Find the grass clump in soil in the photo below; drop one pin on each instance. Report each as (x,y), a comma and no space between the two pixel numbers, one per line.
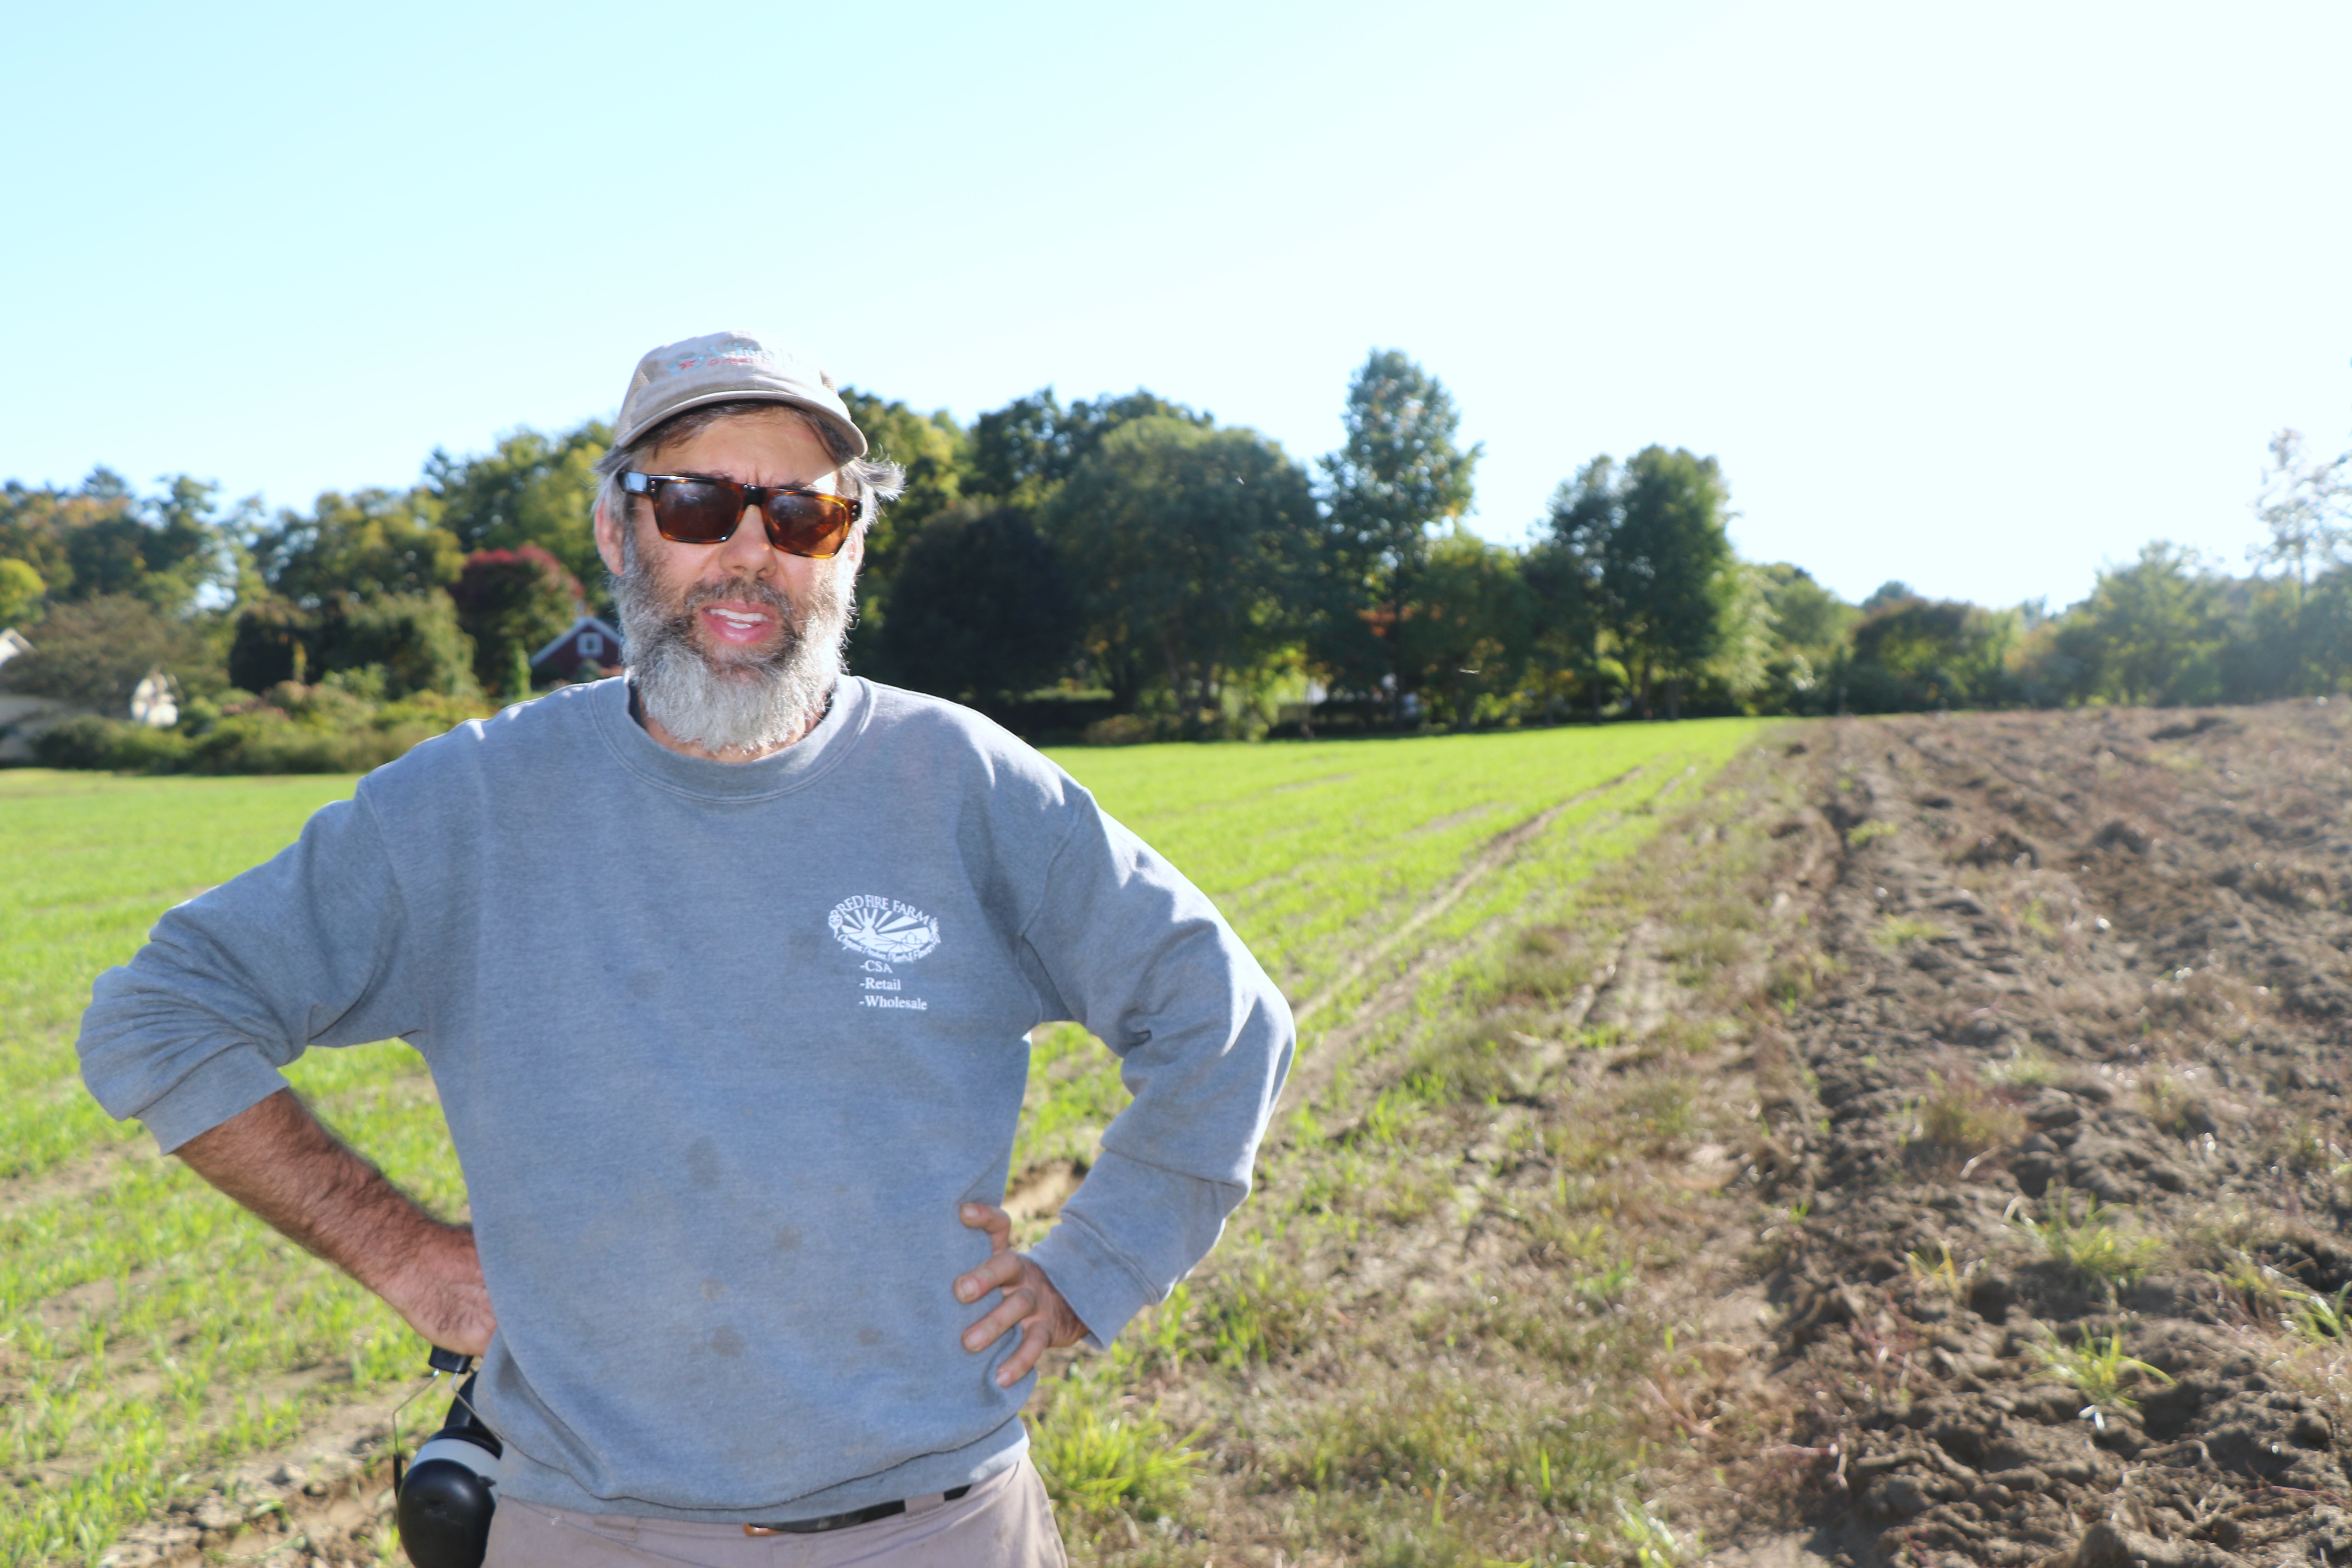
(1485,1062)
(1547,964)
(2097,1250)
(1097,1456)
(2027,1068)
(1901,931)
(1958,1120)
(2317,1319)
(1943,1275)
(1652,1544)
(1663,1112)
(2168,1103)
(1795,977)
(2098,1367)
(1257,1307)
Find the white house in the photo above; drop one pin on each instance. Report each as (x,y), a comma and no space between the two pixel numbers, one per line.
(155,702)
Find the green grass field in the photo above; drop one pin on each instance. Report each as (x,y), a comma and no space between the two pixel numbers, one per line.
(152,1335)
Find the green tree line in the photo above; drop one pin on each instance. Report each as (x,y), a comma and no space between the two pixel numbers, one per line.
(1126,567)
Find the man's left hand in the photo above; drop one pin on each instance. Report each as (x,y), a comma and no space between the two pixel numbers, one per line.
(1031,1303)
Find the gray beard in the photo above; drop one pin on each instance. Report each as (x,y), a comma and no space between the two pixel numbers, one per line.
(734,706)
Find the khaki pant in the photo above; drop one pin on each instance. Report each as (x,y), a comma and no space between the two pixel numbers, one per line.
(1004,1521)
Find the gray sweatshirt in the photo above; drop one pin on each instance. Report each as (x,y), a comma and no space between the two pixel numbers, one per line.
(722,1047)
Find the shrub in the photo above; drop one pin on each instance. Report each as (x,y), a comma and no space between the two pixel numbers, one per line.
(414,639)
(87,740)
(293,729)
(512,603)
(1126,729)
(274,641)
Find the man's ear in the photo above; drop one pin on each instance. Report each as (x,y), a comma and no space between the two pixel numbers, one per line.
(608,539)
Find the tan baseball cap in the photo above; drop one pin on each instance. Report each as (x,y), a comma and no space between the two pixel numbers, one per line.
(727,367)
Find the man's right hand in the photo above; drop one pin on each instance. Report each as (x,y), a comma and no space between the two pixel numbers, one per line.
(439,1292)
(276,1159)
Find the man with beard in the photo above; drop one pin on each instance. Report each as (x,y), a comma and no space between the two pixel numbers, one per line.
(734,1165)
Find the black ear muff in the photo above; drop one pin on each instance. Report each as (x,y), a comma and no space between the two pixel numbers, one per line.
(449,1492)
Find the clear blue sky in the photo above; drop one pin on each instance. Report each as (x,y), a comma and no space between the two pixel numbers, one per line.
(1974,296)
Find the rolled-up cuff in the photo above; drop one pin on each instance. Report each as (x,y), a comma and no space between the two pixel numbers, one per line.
(236,1079)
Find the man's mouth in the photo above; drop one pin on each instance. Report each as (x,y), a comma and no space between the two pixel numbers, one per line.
(737,625)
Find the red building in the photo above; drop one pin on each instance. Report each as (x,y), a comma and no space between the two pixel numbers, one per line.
(590,650)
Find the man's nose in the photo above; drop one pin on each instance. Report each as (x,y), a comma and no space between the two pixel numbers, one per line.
(747,549)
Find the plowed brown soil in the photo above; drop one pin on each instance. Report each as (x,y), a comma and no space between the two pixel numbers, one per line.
(2068,1086)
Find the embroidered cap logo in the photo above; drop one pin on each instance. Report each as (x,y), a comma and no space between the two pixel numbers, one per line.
(883,928)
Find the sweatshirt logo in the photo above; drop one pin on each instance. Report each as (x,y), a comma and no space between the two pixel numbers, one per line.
(883,928)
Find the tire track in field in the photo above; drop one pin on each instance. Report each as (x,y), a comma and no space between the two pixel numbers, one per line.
(1494,853)
(1311,1073)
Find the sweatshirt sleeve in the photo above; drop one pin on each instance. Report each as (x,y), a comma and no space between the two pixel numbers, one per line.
(1141,958)
(234,984)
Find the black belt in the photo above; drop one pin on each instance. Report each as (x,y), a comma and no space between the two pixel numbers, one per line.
(843,1521)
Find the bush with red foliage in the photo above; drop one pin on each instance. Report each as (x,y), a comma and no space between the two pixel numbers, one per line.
(512,603)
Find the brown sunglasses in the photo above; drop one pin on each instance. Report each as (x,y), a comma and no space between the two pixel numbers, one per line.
(691,510)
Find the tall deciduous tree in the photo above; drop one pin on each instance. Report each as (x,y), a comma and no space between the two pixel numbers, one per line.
(934,451)
(1661,569)
(1398,476)
(1464,637)
(2151,632)
(533,488)
(1924,654)
(980,612)
(102,538)
(1180,541)
(370,542)
(2305,506)
(1021,452)
(1567,570)
(20,589)
(1810,626)
(1740,665)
